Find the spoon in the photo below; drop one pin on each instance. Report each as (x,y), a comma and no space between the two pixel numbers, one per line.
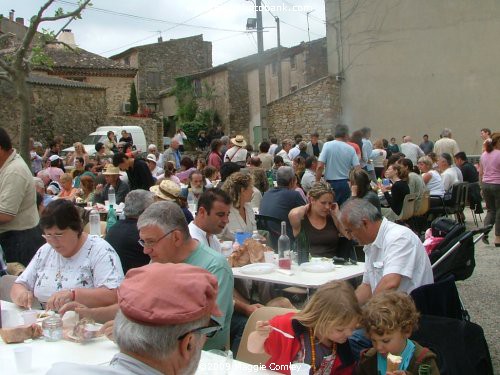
(287,335)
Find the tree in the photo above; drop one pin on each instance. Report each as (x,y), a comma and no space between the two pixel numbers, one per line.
(17,61)
(134,104)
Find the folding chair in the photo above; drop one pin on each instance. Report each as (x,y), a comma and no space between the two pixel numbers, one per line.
(273,226)
(263,313)
(408,208)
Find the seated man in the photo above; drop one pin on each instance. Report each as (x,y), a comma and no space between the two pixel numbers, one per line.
(279,201)
(112,177)
(155,335)
(196,185)
(395,257)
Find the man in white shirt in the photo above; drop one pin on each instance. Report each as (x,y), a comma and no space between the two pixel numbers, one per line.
(309,177)
(449,174)
(395,257)
(446,144)
(286,146)
(411,150)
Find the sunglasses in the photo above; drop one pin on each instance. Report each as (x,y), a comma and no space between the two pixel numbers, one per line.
(207,331)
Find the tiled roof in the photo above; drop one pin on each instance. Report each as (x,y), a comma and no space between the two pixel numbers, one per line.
(64,58)
(36,79)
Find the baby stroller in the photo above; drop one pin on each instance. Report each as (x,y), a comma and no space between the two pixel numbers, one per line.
(455,254)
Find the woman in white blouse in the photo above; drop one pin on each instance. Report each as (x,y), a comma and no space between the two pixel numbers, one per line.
(239,187)
(71,266)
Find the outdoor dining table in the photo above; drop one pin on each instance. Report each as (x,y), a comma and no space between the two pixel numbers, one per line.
(300,278)
(99,351)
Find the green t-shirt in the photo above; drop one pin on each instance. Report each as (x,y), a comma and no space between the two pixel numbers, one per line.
(207,258)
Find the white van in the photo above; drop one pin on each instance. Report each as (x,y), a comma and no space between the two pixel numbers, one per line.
(100,135)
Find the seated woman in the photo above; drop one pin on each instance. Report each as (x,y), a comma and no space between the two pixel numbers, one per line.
(431,177)
(361,188)
(319,220)
(67,189)
(87,189)
(239,187)
(167,190)
(71,266)
(399,190)
(187,166)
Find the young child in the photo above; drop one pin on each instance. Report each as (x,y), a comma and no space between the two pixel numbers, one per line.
(320,333)
(389,319)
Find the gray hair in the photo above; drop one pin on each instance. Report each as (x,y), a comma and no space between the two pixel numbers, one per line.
(165,215)
(447,157)
(156,342)
(446,133)
(137,201)
(224,139)
(341,131)
(355,210)
(38,182)
(284,176)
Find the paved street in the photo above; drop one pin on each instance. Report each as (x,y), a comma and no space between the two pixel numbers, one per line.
(481,293)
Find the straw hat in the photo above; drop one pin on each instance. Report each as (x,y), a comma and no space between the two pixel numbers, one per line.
(111,170)
(239,140)
(167,190)
(152,158)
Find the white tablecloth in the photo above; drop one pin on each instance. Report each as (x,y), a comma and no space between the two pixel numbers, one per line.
(305,279)
(98,352)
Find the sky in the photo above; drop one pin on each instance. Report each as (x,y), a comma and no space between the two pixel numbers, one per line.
(112,26)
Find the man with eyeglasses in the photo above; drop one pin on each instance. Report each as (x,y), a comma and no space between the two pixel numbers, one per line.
(163,330)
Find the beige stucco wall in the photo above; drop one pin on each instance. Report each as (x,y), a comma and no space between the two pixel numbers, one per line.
(414,67)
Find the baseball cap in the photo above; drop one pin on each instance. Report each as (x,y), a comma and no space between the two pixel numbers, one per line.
(151,157)
(191,294)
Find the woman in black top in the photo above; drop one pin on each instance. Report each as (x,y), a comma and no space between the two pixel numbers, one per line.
(398,191)
(319,220)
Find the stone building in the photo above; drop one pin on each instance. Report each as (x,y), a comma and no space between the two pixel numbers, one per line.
(235,90)
(415,67)
(59,107)
(158,65)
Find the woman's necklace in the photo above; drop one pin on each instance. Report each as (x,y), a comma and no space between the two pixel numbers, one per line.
(313,351)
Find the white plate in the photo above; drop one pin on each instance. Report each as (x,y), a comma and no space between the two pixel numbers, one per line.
(317,267)
(258,268)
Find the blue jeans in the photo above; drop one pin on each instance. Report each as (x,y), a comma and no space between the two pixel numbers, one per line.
(359,342)
(341,189)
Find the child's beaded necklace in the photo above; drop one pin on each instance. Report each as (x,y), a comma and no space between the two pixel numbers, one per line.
(313,351)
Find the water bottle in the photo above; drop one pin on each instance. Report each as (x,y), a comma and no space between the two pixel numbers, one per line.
(284,261)
(111,196)
(258,237)
(111,219)
(95,223)
(52,327)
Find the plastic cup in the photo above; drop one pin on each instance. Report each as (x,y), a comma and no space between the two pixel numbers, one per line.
(300,369)
(106,203)
(23,355)
(240,237)
(269,256)
(29,316)
(227,248)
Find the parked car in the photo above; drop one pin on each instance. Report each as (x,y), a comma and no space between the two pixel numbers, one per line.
(100,135)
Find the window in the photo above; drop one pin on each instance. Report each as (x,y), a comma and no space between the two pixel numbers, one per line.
(293,62)
(274,68)
(197,88)
(126,60)
(153,80)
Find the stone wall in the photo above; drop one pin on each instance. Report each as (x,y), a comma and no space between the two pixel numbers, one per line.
(171,59)
(117,91)
(239,116)
(218,82)
(72,112)
(313,107)
(153,129)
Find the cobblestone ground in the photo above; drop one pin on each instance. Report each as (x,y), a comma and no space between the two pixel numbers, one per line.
(481,293)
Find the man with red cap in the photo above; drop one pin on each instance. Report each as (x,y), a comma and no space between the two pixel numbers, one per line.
(163,330)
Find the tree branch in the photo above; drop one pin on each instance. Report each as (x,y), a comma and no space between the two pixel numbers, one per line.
(7,67)
(6,36)
(72,14)
(65,25)
(5,77)
(62,43)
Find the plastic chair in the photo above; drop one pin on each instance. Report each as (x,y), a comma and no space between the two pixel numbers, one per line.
(6,283)
(263,313)
(273,226)
(419,221)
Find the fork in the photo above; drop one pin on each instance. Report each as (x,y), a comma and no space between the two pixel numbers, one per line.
(287,335)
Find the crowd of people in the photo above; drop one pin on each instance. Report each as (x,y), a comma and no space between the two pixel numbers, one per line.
(338,192)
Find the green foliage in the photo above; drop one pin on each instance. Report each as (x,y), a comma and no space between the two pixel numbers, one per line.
(134,104)
(39,58)
(186,104)
(192,129)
